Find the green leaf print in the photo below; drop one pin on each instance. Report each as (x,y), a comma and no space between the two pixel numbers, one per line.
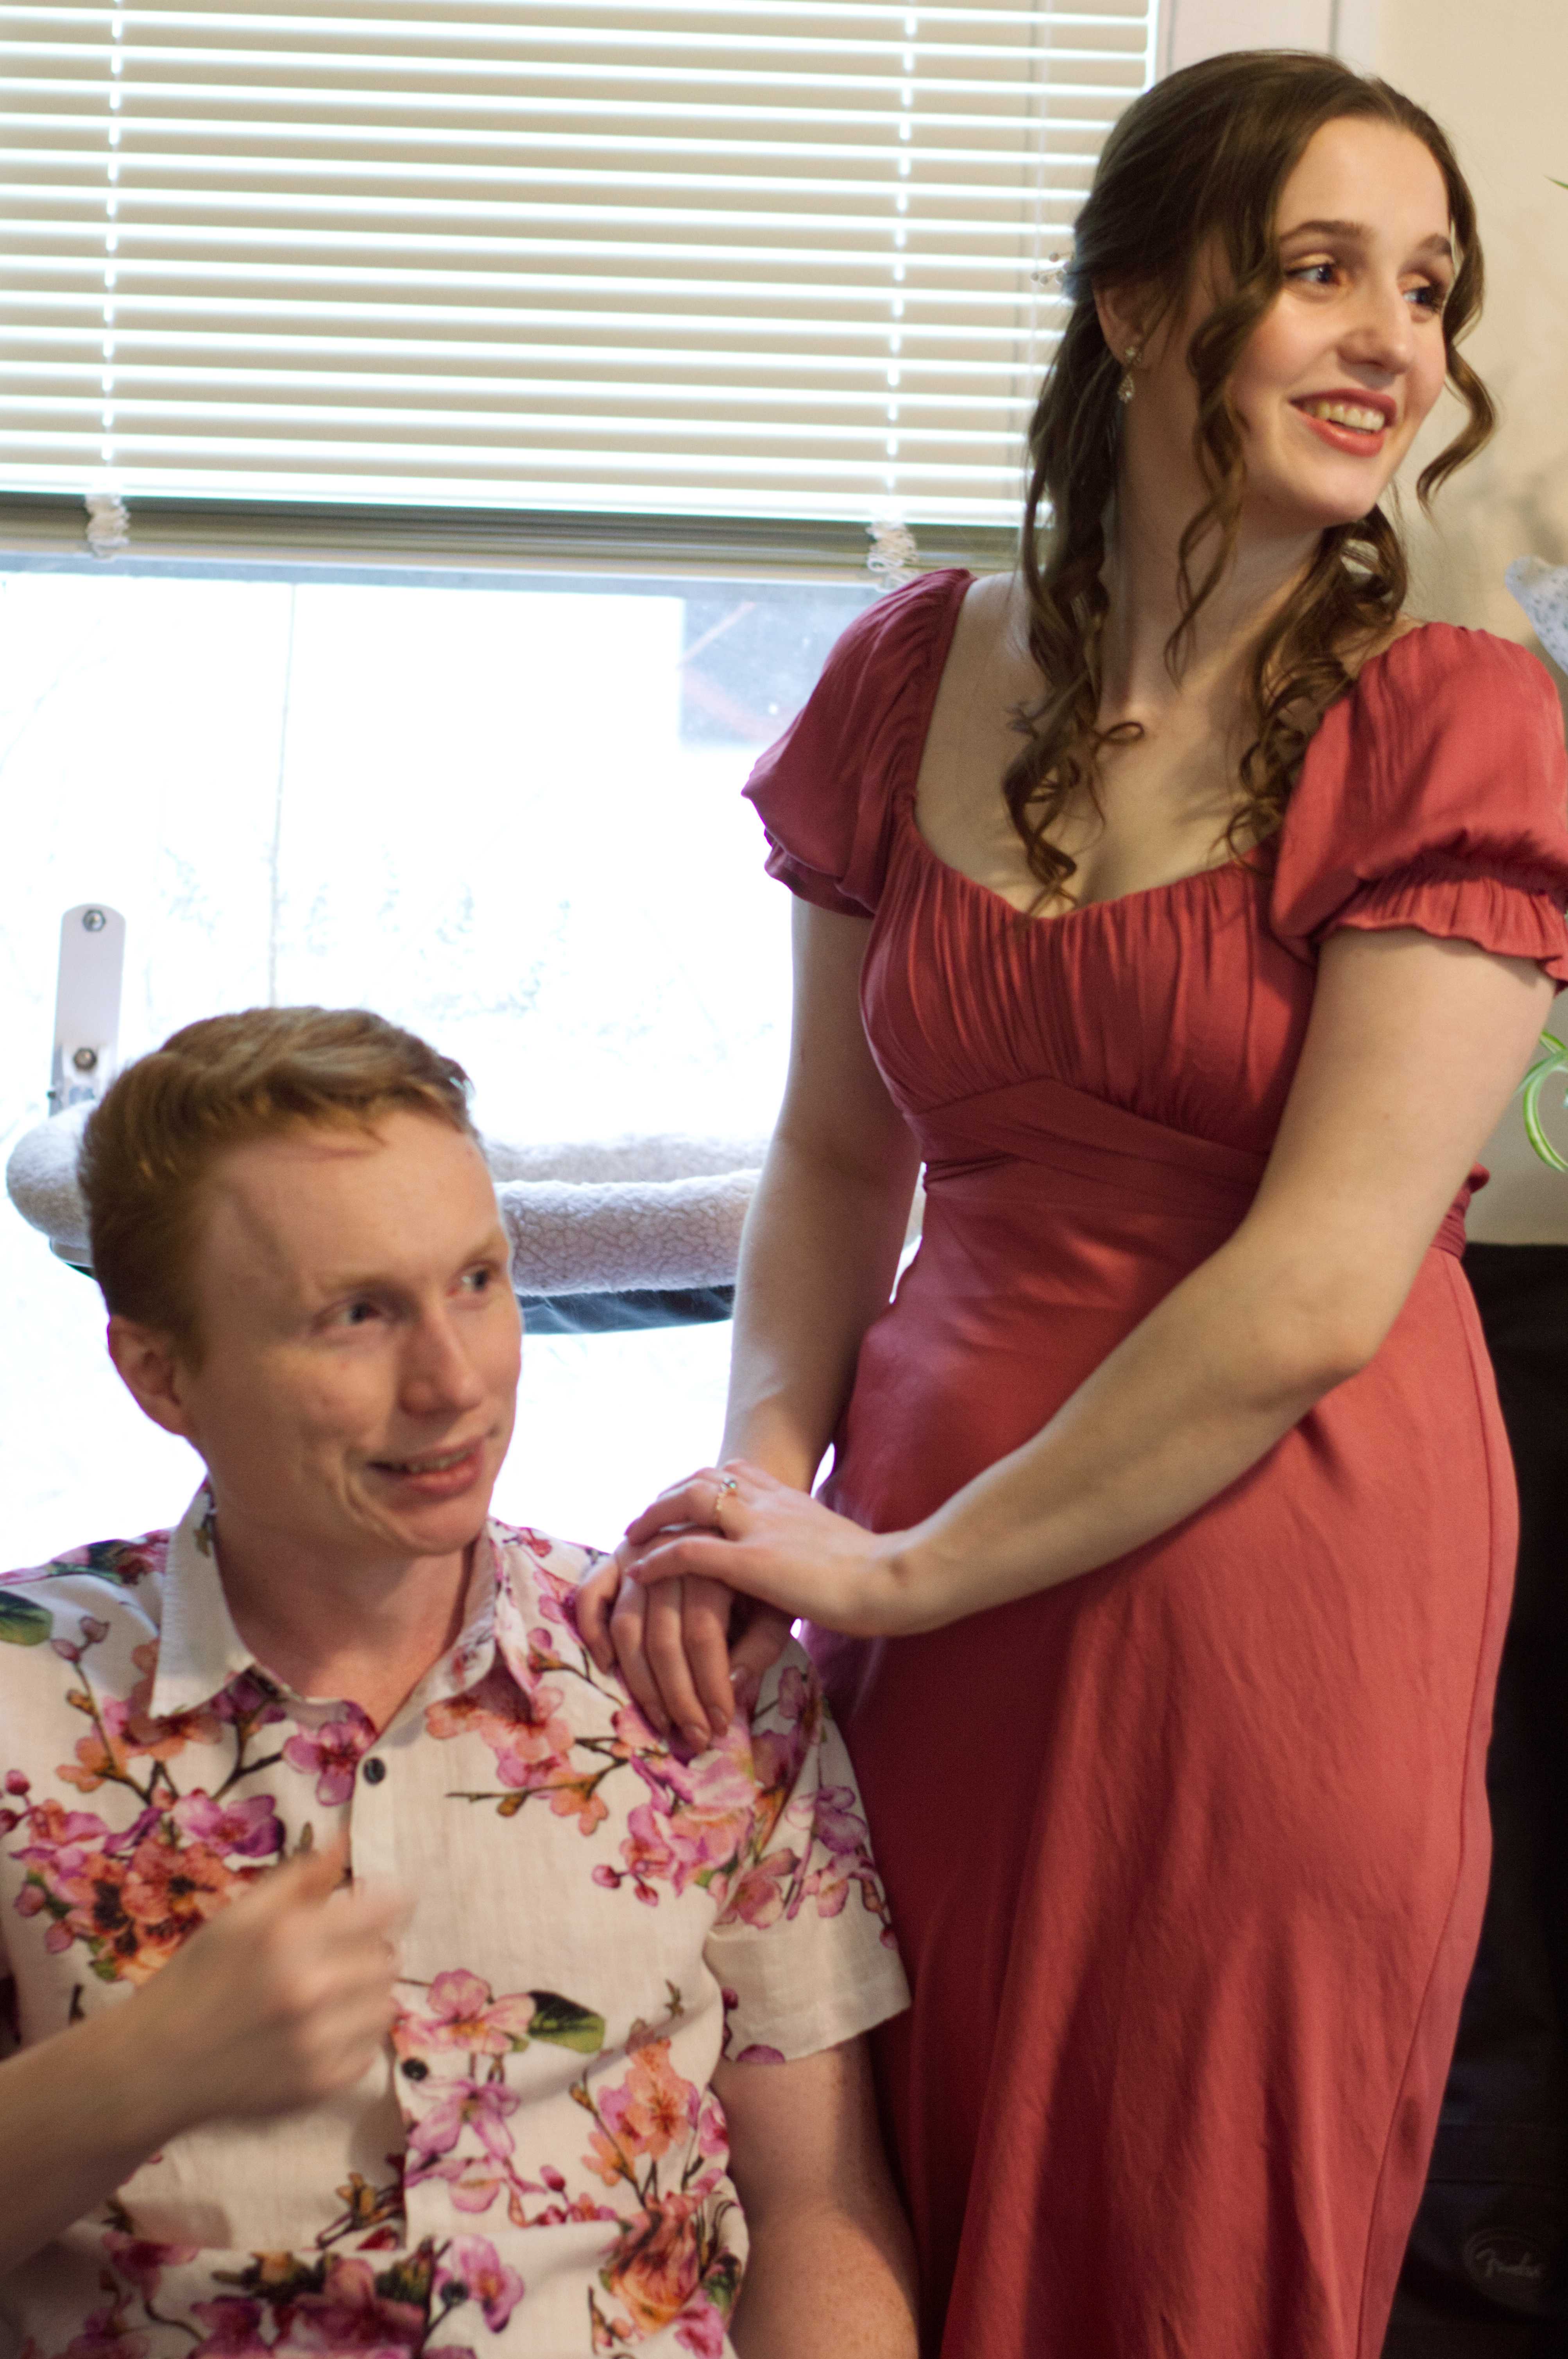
(564,2024)
(23,1622)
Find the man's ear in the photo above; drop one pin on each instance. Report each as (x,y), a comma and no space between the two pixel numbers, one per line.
(149,1366)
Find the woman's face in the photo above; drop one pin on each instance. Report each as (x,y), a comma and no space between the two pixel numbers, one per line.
(1344,366)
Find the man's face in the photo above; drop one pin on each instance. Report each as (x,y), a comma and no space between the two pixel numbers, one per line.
(360,1341)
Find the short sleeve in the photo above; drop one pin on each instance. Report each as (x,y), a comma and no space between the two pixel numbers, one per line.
(803,1948)
(827,792)
(1435,796)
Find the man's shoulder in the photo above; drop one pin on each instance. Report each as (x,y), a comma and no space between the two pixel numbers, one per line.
(103,1581)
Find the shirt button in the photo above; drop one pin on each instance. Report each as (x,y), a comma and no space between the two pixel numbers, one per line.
(375,1770)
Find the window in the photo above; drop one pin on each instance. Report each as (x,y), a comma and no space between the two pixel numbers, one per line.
(510,817)
(499,398)
(731,258)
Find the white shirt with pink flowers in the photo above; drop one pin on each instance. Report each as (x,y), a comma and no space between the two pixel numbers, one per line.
(536,2164)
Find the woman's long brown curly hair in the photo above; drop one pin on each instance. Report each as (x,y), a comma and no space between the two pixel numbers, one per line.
(1199,161)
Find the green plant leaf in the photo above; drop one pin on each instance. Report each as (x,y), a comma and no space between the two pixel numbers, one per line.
(564,2024)
(23,1622)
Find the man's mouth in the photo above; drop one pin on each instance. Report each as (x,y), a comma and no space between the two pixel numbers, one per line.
(431,1462)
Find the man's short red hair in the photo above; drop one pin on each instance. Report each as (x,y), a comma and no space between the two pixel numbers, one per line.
(216,1085)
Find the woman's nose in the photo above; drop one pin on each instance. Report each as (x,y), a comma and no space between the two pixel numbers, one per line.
(1382,335)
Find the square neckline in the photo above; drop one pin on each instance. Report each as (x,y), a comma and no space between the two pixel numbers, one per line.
(941,647)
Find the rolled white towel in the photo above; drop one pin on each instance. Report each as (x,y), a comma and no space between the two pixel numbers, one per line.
(618,1236)
(1543,591)
(663,1155)
(599,1216)
(40,1179)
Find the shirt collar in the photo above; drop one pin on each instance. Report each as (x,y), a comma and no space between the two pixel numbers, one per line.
(201,1651)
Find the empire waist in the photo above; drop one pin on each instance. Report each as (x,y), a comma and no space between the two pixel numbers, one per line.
(1041,1147)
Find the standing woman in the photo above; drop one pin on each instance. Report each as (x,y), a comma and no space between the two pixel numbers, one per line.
(1190,913)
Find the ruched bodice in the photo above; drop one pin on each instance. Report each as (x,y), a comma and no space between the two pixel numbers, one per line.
(1186,1856)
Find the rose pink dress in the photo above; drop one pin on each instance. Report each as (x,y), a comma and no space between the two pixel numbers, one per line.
(1187,1856)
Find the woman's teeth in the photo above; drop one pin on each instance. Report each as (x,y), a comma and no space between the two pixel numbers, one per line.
(1347,413)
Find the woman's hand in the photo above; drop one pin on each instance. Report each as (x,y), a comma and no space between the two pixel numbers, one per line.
(740,1525)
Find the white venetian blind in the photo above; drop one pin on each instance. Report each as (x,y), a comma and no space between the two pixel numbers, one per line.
(759,258)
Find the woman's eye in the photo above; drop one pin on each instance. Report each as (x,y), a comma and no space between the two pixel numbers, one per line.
(1428,297)
(1316,274)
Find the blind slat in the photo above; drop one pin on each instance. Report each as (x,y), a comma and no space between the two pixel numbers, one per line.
(758,257)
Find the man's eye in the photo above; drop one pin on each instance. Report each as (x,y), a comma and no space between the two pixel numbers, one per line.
(359,1314)
(480,1281)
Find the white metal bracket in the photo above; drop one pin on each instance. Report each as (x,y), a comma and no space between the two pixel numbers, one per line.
(87,1005)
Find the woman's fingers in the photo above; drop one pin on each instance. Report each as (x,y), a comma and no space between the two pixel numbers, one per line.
(690,1502)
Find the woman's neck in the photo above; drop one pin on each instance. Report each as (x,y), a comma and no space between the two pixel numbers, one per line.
(1142,573)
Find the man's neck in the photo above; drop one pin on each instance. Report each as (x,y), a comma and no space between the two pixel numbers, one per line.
(364,1632)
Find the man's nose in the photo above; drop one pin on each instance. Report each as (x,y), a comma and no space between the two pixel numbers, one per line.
(438,1374)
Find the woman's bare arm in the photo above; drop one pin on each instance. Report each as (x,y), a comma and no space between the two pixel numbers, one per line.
(1413,1048)
(818,1263)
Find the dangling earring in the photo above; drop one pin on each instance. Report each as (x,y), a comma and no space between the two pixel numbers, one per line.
(1124,390)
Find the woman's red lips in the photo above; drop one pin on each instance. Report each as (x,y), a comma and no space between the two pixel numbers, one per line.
(1357,423)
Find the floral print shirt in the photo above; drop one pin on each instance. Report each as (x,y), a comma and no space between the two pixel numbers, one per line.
(537,2163)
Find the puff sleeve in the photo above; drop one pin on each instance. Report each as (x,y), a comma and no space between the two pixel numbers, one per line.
(829,791)
(1435,796)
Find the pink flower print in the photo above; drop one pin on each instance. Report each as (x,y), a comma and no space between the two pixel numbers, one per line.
(647,1855)
(248,1830)
(142,2263)
(520,1721)
(479,2105)
(16,1783)
(463,2017)
(348,2320)
(332,1753)
(233,2328)
(656,2267)
(759,1894)
(473,2185)
(643,2118)
(700,2330)
(471,2267)
(104,2336)
(247,1701)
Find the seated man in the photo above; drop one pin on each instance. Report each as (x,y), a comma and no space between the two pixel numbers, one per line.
(571,2065)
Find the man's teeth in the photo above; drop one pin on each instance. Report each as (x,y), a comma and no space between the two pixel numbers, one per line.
(433,1465)
(1347,413)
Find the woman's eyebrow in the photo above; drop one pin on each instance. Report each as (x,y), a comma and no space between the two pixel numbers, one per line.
(1435,244)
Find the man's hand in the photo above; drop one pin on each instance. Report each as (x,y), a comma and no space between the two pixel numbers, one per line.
(281,2001)
(682,1649)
